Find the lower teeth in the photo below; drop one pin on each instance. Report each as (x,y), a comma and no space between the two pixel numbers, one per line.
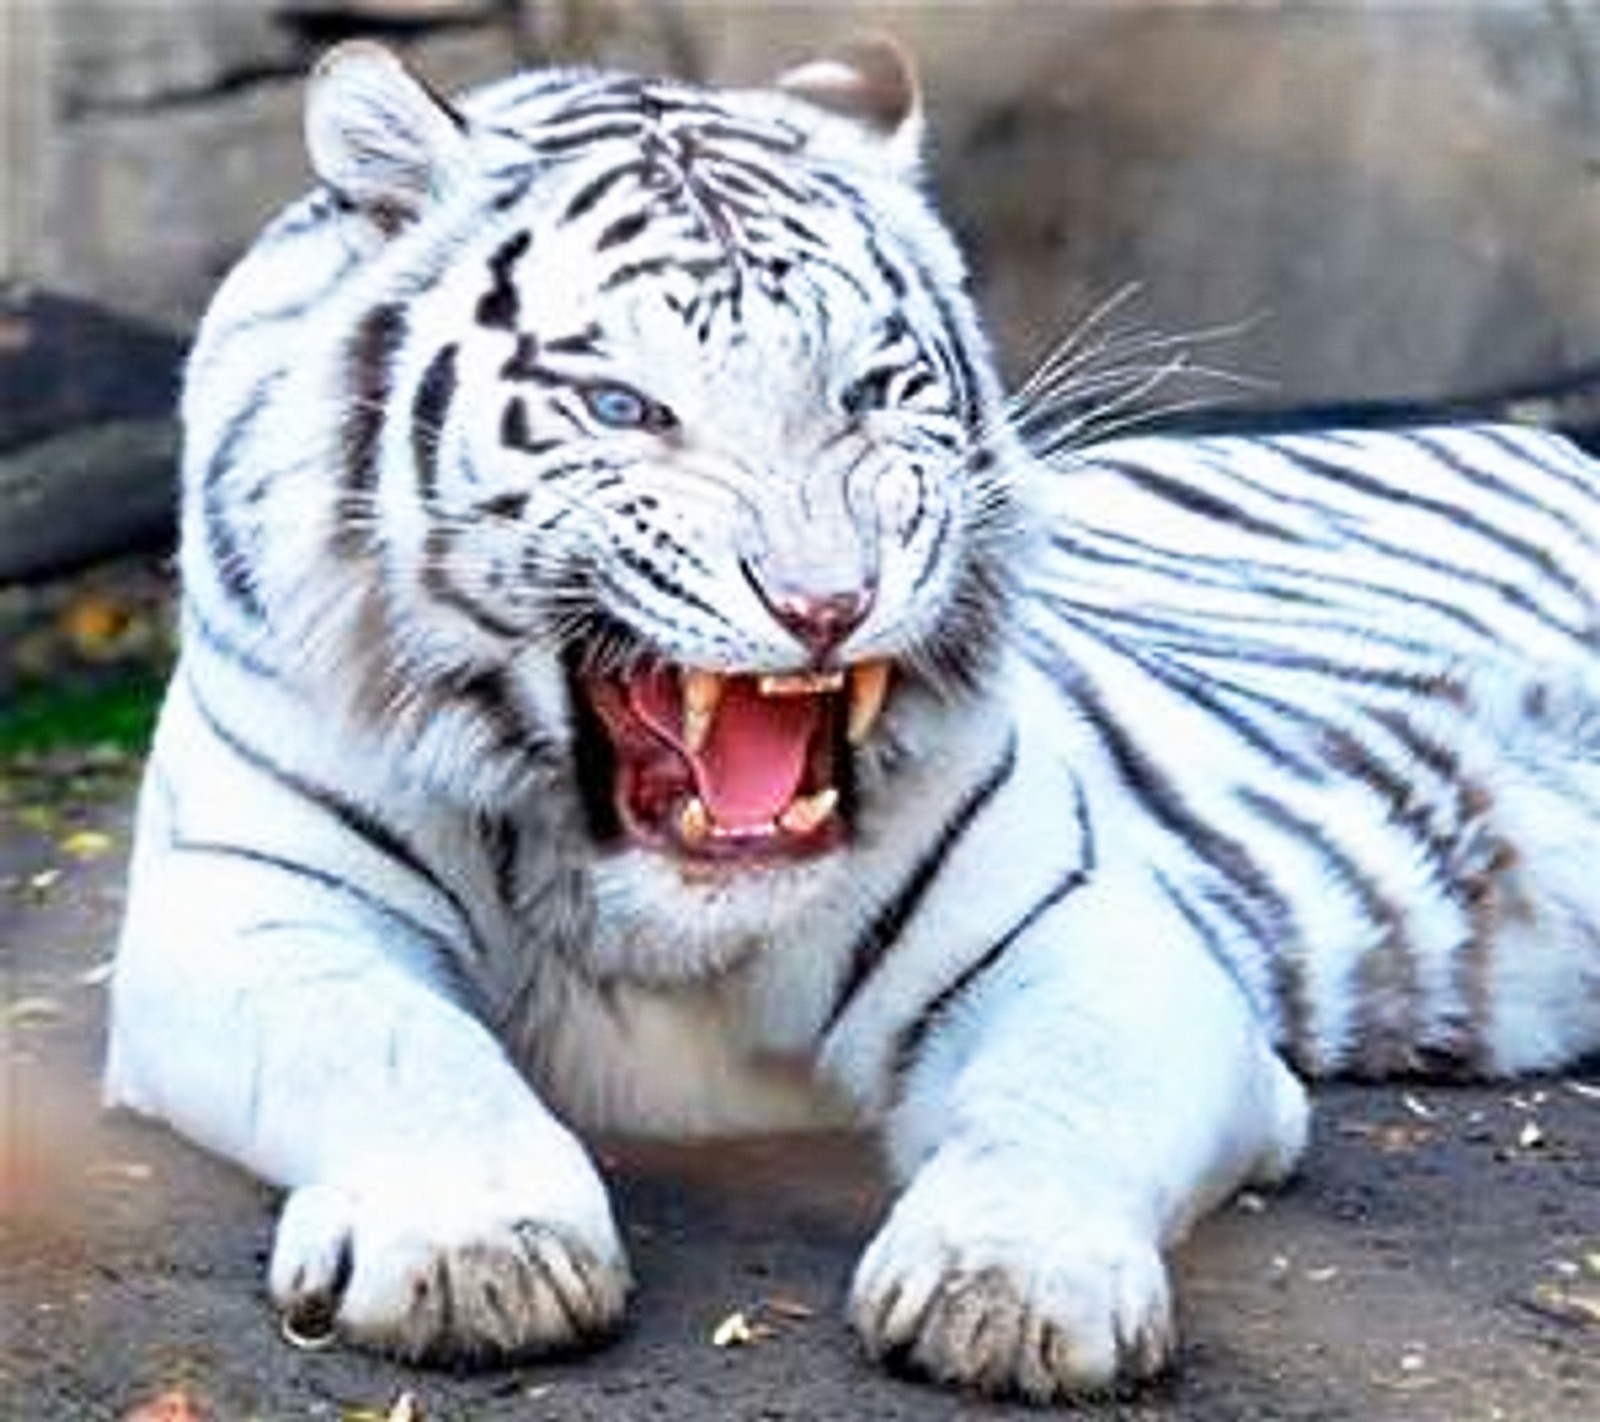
(804,815)
(807,814)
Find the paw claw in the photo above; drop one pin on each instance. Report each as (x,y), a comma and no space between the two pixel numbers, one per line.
(1045,1313)
(449,1276)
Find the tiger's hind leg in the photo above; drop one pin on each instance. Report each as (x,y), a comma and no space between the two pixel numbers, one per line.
(1086,1102)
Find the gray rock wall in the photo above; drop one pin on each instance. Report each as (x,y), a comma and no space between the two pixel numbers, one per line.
(1396,198)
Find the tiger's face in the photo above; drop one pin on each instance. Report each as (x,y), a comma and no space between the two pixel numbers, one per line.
(700,424)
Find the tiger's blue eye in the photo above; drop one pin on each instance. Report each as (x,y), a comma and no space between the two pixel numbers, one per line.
(623,409)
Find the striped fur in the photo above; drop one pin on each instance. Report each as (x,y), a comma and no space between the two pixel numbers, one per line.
(1201,757)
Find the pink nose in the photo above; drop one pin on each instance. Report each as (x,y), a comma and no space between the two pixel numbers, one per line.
(822,623)
(819,621)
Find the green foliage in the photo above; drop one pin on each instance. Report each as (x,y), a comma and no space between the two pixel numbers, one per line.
(119,714)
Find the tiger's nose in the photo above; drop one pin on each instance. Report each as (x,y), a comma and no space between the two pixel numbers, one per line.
(820,621)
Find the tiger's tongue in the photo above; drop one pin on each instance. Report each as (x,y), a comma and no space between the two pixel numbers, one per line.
(752,763)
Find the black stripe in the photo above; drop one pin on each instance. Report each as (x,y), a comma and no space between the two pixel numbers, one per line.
(909,1040)
(1208,692)
(961,374)
(518,182)
(502,843)
(1263,584)
(1386,971)
(662,582)
(515,433)
(1434,443)
(762,177)
(559,143)
(1577,471)
(510,505)
(429,410)
(624,229)
(776,138)
(353,817)
(321,877)
(590,194)
(498,307)
(223,540)
(1211,938)
(698,268)
(438,548)
(300,305)
(197,625)
(1271,919)
(369,363)
(490,695)
(893,915)
(1196,501)
(1457,516)
(584,342)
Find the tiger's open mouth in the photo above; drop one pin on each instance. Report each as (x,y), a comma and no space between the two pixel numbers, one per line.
(711,766)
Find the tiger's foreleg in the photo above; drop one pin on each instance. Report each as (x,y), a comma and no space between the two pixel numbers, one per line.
(436,1210)
(1068,1116)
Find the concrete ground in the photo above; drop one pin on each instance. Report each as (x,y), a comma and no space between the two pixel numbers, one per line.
(1438,1259)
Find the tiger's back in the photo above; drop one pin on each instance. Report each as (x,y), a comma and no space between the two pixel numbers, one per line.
(1349,681)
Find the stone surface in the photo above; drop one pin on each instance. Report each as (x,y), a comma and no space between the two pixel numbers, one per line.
(1390,199)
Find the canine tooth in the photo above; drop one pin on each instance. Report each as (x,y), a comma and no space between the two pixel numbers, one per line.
(702,691)
(798,683)
(694,821)
(806,812)
(869,685)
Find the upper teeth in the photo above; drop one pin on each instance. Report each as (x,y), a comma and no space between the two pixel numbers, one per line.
(702,691)
(869,685)
(868,688)
(799,683)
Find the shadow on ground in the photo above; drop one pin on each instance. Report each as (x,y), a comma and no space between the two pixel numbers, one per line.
(1439,1258)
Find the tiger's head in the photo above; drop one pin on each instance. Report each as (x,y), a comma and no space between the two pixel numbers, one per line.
(675,400)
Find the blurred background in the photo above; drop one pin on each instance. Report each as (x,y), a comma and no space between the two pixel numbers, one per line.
(1392,202)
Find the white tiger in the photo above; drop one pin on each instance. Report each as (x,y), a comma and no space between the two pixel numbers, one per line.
(634,675)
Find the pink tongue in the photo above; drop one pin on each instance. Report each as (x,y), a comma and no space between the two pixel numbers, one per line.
(751,766)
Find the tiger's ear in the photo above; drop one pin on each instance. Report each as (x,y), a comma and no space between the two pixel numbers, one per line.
(873,82)
(379,137)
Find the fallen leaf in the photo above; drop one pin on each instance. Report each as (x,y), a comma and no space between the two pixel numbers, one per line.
(173,1406)
(733,1332)
(30,1011)
(1565,1304)
(42,882)
(16,334)
(97,976)
(1393,1137)
(87,844)
(782,1306)
(134,1172)
(93,621)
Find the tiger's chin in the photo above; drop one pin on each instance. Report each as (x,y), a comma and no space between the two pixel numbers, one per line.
(724,775)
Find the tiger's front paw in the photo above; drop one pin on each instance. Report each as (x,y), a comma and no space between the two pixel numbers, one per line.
(444,1270)
(1000,1293)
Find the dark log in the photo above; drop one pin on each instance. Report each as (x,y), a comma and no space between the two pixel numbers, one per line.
(88,435)
(92,492)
